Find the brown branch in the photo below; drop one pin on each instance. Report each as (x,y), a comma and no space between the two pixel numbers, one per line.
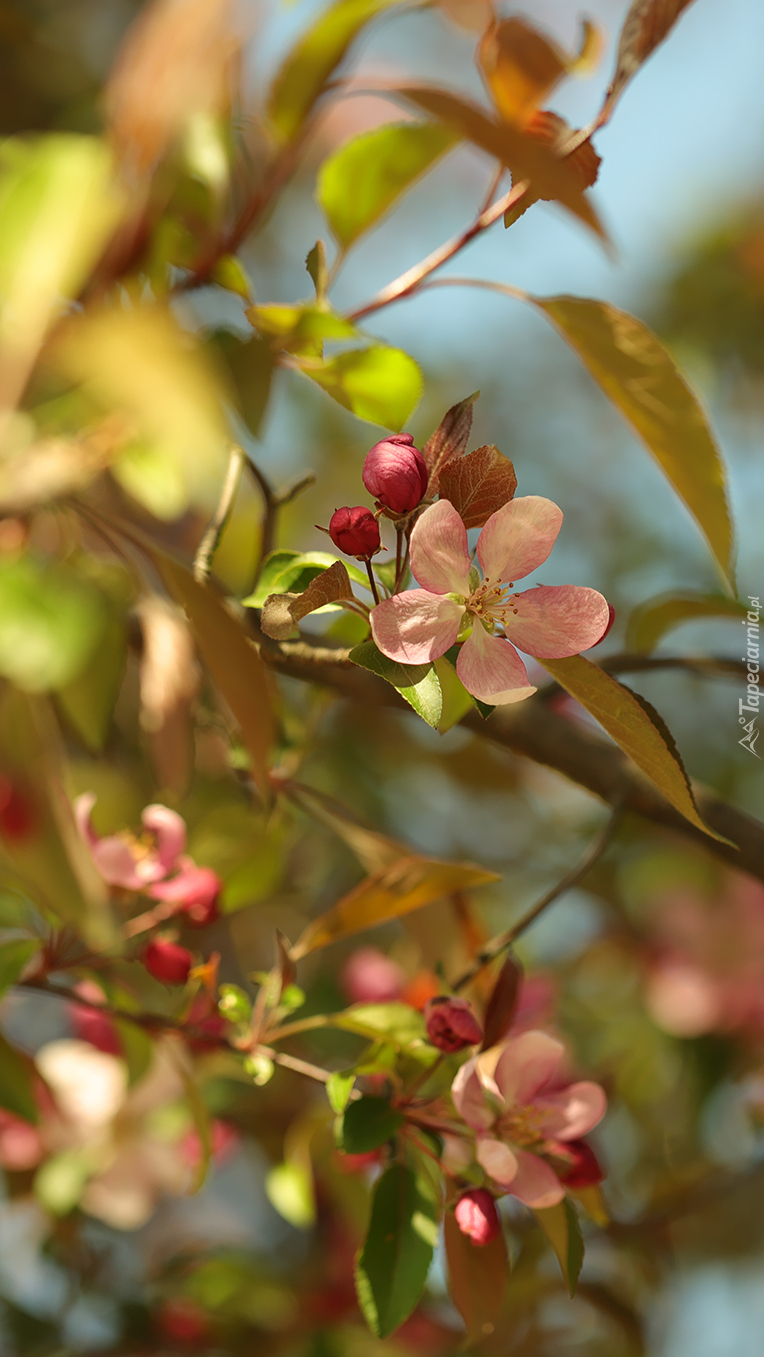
(217,525)
(537,732)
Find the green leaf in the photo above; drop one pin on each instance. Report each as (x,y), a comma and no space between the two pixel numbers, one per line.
(17,1083)
(50,624)
(137,1048)
(339,1086)
(230,273)
(301,329)
(387,571)
(417,683)
(88,701)
(14,956)
(312,60)
(456,700)
(477,1279)
(289,1189)
(561,1227)
(636,728)
(399,1023)
(249,367)
(378,384)
(233,663)
(651,620)
(60,1181)
(640,377)
(290,572)
(367,1124)
(363,178)
(315,263)
(391,1271)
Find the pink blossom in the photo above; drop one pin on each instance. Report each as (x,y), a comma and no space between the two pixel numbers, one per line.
(548,622)
(196,891)
(395,472)
(124,860)
(477,1217)
(370,977)
(511,1097)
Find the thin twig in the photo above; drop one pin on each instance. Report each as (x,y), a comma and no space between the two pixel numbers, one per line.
(503,941)
(372,581)
(211,539)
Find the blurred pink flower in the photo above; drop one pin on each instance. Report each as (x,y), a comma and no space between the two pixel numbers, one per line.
(370,977)
(125,860)
(196,891)
(21,1145)
(451,1023)
(548,622)
(512,1098)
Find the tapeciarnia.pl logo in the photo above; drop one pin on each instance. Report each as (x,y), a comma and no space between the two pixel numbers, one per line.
(750,704)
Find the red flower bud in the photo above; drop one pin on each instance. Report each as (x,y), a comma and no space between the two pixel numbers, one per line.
(96,1028)
(583,1168)
(477,1217)
(395,473)
(17,814)
(167,961)
(451,1024)
(355,531)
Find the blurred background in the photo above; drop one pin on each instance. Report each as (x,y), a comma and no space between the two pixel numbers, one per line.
(655,972)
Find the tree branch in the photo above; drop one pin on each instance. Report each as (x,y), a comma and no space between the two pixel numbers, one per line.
(211,539)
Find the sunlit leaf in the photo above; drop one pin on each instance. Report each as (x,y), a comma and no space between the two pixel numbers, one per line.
(405,885)
(289,1188)
(17,1075)
(312,60)
(379,384)
(282,612)
(477,1279)
(645,27)
(14,956)
(561,1227)
(339,1086)
(137,1049)
(418,683)
(641,379)
(60,1181)
(392,1269)
(521,66)
(635,726)
(367,1124)
(478,484)
(651,620)
(449,439)
(233,663)
(230,273)
(397,1022)
(51,620)
(359,182)
(456,701)
(292,571)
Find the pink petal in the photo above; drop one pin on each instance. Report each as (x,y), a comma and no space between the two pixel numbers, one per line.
(468,1093)
(440,560)
(491,669)
(115,862)
(416,627)
(518,538)
(535,1183)
(497,1159)
(526,1065)
(82,810)
(572,1112)
(170,830)
(557,621)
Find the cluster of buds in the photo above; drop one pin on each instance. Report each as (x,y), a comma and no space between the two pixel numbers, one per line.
(395,473)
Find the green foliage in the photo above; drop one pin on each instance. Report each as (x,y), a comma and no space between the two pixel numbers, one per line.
(367,1124)
(50,623)
(14,956)
(17,1083)
(379,384)
(290,572)
(290,1191)
(652,620)
(392,1269)
(561,1227)
(417,683)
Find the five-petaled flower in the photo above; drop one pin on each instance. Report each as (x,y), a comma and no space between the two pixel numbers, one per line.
(549,622)
(512,1098)
(131,862)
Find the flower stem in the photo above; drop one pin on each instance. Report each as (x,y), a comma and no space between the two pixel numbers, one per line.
(372,581)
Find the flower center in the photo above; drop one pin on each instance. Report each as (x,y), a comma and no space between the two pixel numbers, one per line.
(522,1125)
(491,602)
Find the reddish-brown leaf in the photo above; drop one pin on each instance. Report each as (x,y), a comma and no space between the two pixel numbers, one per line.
(478,484)
(477,1279)
(500,1009)
(449,439)
(282,612)
(645,27)
(520,67)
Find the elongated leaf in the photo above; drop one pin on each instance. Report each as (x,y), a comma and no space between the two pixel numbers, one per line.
(418,683)
(405,885)
(456,700)
(361,181)
(645,27)
(392,1269)
(249,367)
(552,177)
(639,376)
(309,65)
(502,1003)
(233,663)
(478,484)
(282,612)
(17,1083)
(14,956)
(394,1022)
(477,1279)
(379,384)
(339,1087)
(367,1124)
(292,571)
(634,725)
(449,439)
(561,1227)
(650,621)
(520,66)
(289,1188)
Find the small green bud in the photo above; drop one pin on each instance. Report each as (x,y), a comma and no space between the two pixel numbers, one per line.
(234,1004)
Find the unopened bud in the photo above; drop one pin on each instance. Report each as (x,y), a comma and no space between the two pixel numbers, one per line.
(583,1166)
(451,1023)
(355,531)
(395,473)
(167,961)
(477,1217)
